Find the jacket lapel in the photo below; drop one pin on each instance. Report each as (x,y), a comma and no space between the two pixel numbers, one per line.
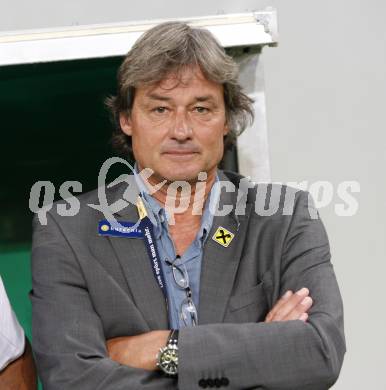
(220,264)
(135,263)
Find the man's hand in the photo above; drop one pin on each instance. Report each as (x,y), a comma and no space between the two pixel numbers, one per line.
(291,307)
(138,351)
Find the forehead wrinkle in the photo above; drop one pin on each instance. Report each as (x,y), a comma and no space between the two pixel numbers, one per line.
(155,96)
(204,98)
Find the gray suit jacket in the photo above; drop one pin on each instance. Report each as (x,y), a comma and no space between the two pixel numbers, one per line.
(89,288)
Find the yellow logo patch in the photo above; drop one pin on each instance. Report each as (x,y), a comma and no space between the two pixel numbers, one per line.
(105,228)
(223,236)
(141,208)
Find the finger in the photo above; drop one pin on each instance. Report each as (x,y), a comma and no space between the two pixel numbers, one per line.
(278,304)
(299,310)
(281,313)
(303,317)
(285,305)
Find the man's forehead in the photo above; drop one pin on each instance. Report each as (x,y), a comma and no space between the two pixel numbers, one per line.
(188,78)
(184,75)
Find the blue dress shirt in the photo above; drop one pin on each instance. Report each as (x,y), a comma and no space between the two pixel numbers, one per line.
(190,259)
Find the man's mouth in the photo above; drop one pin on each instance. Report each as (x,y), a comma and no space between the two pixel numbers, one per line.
(180,154)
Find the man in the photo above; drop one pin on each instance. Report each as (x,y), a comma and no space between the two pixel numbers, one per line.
(17,369)
(235,283)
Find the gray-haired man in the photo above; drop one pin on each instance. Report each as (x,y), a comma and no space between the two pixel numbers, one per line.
(236,285)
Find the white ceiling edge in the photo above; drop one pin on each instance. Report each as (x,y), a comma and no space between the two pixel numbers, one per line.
(106,40)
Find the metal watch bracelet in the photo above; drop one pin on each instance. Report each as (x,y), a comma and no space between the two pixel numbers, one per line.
(167,357)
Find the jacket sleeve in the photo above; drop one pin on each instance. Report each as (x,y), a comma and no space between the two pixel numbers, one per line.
(68,338)
(278,355)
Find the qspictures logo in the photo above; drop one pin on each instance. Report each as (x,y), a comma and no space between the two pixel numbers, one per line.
(268,199)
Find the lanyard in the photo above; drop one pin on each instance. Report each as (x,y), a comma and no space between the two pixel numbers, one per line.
(148,235)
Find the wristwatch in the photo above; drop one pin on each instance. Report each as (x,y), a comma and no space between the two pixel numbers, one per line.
(167,357)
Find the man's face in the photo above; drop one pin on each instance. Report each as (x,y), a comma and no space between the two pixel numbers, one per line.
(177,126)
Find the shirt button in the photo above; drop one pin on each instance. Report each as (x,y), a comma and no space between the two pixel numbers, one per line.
(210,382)
(217,382)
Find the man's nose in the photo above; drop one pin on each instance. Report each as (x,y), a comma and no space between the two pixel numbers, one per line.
(181,129)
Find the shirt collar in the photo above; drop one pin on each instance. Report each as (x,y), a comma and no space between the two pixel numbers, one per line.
(158,215)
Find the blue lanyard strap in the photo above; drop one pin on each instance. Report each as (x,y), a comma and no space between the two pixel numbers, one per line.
(148,235)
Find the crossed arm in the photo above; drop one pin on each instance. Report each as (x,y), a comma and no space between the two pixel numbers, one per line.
(140,351)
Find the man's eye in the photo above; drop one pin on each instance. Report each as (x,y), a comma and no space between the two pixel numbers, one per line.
(160,110)
(201,110)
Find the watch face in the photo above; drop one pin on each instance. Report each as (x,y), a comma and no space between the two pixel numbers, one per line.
(168,359)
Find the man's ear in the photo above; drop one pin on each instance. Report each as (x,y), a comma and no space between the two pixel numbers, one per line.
(125,122)
(226,129)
